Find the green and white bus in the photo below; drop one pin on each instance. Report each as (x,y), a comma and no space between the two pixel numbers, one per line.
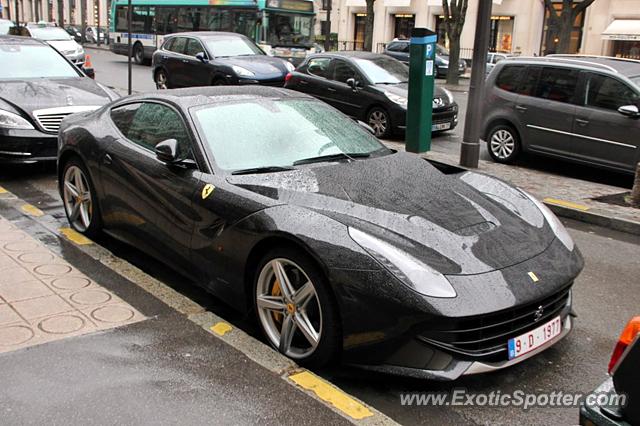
(281,27)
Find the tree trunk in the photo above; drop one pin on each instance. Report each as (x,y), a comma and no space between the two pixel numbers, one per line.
(564,31)
(368,27)
(454,58)
(635,192)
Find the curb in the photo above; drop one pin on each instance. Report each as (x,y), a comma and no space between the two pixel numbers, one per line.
(594,218)
(328,394)
(95,47)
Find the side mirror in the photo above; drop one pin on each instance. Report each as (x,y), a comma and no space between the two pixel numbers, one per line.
(629,111)
(366,127)
(167,151)
(201,57)
(352,83)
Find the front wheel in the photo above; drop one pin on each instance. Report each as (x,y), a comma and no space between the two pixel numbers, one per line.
(296,312)
(162,81)
(79,197)
(503,143)
(378,119)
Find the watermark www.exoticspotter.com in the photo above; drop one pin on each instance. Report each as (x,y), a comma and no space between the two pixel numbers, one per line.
(518,398)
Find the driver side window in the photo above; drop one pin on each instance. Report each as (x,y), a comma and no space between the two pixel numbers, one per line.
(154,123)
(342,71)
(193,48)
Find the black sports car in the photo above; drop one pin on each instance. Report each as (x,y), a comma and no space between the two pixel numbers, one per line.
(38,88)
(278,203)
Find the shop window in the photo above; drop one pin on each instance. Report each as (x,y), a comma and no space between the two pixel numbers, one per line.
(403,26)
(358,37)
(501,34)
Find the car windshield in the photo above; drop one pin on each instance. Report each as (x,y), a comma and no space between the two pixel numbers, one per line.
(286,29)
(289,130)
(223,47)
(50,33)
(29,61)
(5,26)
(441,50)
(636,80)
(383,70)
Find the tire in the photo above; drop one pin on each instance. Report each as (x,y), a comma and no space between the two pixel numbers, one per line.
(380,121)
(138,54)
(162,80)
(79,198)
(318,342)
(219,81)
(503,143)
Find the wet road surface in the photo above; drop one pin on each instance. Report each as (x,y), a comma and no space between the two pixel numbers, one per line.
(606,295)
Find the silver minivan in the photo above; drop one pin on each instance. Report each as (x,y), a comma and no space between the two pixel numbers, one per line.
(581,108)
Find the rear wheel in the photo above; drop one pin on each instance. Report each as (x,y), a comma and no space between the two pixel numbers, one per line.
(79,198)
(503,143)
(138,54)
(295,309)
(378,119)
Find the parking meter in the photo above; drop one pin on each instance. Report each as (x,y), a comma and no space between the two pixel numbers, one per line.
(421,81)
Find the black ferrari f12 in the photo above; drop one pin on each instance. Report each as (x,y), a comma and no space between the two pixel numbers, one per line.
(277,203)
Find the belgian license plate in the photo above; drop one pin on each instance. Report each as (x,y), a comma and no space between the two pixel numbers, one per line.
(535,338)
(440,126)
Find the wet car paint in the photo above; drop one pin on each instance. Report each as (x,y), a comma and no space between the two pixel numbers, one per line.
(478,231)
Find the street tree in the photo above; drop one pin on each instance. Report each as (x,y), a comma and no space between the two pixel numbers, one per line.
(560,23)
(634,199)
(455,12)
(368,27)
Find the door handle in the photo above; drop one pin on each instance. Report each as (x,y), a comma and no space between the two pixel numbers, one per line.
(582,122)
(331,89)
(521,108)
(304,82)
(186,61)
(107,159)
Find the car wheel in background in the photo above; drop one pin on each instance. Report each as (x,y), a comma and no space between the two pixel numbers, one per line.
(503,143)
(138,54)
(295,308)
(378,119)
(219,81)
(162,81)
(79,198)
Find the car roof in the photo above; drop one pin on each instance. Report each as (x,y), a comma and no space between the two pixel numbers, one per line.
(11,39)
(208,34)
(196,96)
(626,67)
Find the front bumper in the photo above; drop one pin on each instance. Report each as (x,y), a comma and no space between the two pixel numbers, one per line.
(76,59)
(440,118)
(27,146)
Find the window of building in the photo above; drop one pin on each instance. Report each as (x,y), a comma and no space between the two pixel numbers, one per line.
(626,49)
(557,84)
(403,26)
(551,35)
(358,36)
(501,34)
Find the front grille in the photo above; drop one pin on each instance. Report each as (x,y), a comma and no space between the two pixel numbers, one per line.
(486,336)
(50,119)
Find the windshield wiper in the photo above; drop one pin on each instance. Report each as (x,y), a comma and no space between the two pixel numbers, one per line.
(264,169)
(331,157)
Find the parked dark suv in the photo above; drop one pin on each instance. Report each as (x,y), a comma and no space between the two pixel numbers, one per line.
(399,49)
(580,108)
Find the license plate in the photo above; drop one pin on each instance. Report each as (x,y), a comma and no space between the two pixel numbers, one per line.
(440,126)
(535,338)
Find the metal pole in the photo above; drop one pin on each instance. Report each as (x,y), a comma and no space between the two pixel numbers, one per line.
(327,30)
(98,24)
(83,21)
(470,152)
(130,46)
(17,13)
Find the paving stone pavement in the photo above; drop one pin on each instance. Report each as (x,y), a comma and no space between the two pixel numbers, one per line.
(547,185)
(43,298)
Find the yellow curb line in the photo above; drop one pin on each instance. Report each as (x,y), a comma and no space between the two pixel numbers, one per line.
(32,210)
(75,237)
(566,204)
(331,394)
(3,191)
(221,328)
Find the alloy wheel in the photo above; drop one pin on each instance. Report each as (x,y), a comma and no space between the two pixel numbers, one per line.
(502,144)
(161,81)
(77,198)
(289,308)
(378,122)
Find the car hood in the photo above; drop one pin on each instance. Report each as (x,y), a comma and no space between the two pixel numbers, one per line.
(64,46)
(30,95)
(402,89)
(458,224)
(261,65)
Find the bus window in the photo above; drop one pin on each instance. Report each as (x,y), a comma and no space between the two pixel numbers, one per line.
(139,18)
(121,19)
(166,20)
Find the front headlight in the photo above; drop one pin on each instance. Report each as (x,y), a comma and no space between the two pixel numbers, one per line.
(449,95)
(558,228)
(411,271)
(79,51)
(441,61)
(9,120)
(242,72)
(400,100)
(290,66)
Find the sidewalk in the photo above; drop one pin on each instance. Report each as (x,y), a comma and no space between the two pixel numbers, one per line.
(568,197)
(82,344)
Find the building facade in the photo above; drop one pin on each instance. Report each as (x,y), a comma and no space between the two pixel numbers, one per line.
(49,10)
(608,27)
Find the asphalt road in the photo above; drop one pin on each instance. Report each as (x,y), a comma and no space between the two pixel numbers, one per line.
(606,295)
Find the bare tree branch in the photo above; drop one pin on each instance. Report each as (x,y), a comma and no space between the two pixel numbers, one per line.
(580,7)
